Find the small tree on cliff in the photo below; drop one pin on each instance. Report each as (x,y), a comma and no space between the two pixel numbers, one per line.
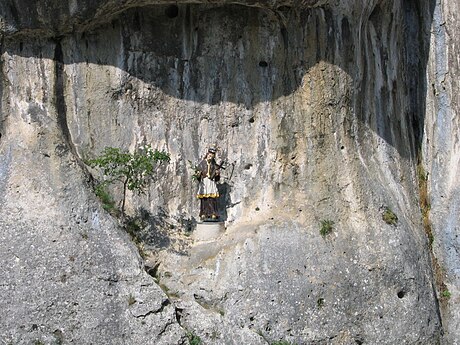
(133,170)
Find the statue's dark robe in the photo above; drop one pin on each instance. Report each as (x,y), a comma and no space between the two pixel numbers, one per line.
(207,189)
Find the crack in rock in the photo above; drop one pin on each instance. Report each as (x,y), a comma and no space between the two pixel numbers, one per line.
(138,314)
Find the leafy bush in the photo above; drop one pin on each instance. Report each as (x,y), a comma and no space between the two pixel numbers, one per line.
(133,170)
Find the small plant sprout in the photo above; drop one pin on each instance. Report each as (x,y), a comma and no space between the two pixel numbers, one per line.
(131,300)
(320,302)
(281,342)
(326,227)
(104,196)
(193,339)
(446,294)
(196,171)
(389,216)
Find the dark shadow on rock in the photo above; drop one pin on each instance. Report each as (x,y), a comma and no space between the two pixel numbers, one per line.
(417,46)
(156,231)
(187,224)
(150,230)
(225,200)
(213,54)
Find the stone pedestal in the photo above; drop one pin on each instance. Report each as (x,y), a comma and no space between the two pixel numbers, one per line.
(208,231)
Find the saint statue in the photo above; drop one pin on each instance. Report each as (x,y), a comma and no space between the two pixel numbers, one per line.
(208,173)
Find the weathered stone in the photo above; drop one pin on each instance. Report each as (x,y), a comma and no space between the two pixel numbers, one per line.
(56,18)
(68,271)
(441,152)
(208,231)
(320,106)
(284,282)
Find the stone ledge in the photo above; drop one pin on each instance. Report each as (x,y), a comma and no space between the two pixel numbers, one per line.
(208,231)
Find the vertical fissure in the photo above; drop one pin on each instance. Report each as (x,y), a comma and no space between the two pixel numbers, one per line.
(2,77)
(417,35)
(61,107)
(59,89)
(424,201)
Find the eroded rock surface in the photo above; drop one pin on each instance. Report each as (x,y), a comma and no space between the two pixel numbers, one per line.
(54,18)
(282,281)
(441,152)
(319,106)
(69,274)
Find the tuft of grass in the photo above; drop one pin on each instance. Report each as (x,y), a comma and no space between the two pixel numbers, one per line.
(430,239)
(389,216)
(106,199)
(421,173)
(164,288)
(326,227)
(134,226)
(320,302)
(446,294)
(214,335)
(425,205)
(131,300)
(193,339)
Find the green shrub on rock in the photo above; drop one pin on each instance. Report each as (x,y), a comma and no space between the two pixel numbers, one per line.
(133,170)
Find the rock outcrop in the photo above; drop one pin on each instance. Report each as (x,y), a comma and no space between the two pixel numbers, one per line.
(321,107)
(69,273)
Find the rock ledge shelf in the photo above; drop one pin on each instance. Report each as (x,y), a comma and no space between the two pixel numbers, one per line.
(208,231)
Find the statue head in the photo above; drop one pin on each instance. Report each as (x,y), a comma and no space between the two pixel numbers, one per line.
(211,153)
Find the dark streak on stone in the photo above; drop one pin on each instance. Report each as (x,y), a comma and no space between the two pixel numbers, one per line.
(59,91)
(2,78)
(164,304)
(61,109)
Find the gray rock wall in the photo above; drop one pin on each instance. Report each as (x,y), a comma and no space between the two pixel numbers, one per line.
(69,273)
(55,18)
(320,109)
(441,152)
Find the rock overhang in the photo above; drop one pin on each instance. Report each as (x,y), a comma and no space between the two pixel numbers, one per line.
(298,35)
(45,19)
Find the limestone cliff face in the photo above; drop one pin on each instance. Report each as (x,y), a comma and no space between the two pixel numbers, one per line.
(321,108)
(441,152)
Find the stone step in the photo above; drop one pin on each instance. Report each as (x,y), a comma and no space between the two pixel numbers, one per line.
(208,231)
